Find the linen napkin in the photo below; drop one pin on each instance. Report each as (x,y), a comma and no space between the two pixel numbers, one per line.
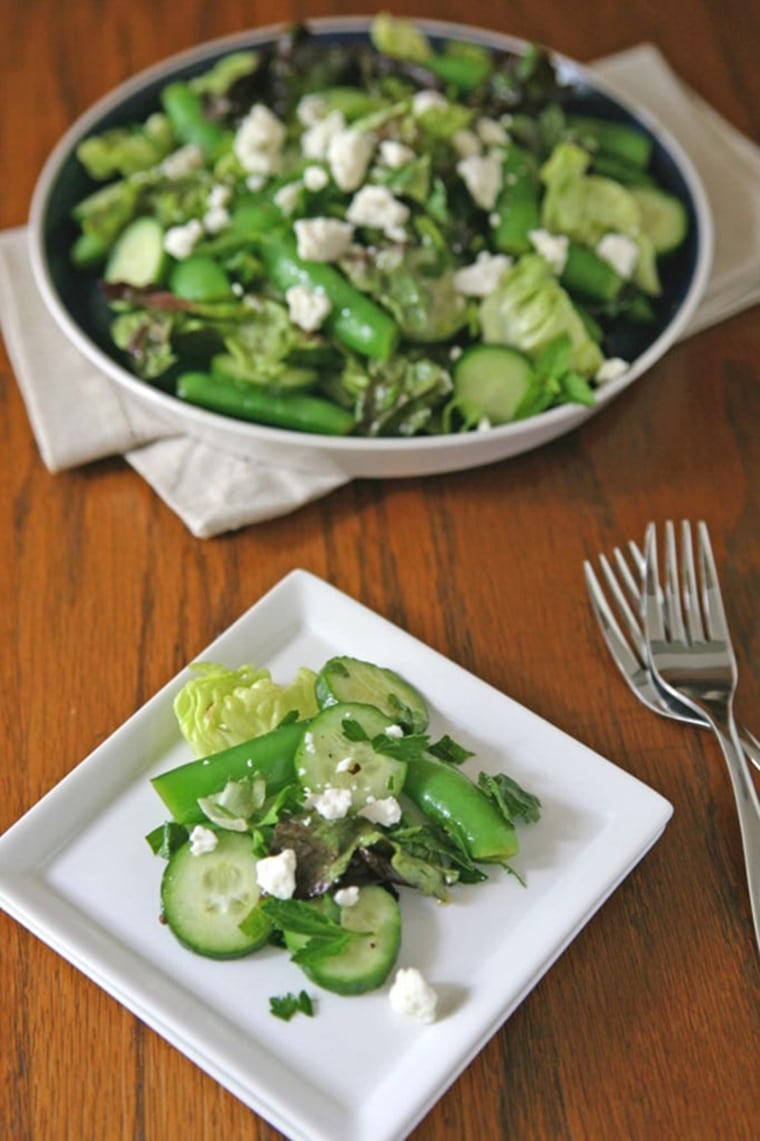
(78,415)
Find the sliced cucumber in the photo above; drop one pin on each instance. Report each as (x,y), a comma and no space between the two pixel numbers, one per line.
(331,756)
(365,963)
(490,381)
(205,898)
(138,256)
(349,679)
(663,217)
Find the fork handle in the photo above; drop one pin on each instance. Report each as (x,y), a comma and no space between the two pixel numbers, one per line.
(747,808)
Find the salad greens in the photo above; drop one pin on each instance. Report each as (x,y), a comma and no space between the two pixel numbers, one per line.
(302,835)
(322,235)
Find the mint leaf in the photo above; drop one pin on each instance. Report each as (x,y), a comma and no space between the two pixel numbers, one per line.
(286,1005)
(447,749)
(512,800)
(352,730)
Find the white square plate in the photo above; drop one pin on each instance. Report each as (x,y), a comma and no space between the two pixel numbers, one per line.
(77,872)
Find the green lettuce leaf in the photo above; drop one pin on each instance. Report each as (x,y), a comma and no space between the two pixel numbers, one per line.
(127,150)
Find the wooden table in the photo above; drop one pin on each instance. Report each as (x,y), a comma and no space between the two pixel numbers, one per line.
(649,1024)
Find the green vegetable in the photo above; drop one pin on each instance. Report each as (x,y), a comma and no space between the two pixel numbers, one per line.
(184,109)
(138,257)
(246,402)
(286,1005)
(626,143)
(219,707)
(458,806)
(200,278)
(663,218)
(490,382)
(205,897)
(588,274)
(127,150)
(346,679)
(270,756)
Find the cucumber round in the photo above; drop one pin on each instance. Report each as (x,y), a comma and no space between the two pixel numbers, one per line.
(490,381)
(329,756)
(365,963)
(205,898)
(350,679)
(138,257)
(663,218)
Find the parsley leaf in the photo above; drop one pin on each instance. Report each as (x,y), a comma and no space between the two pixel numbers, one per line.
(286,1005)
(447,749)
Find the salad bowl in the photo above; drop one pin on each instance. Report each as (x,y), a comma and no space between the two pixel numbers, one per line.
(75,302)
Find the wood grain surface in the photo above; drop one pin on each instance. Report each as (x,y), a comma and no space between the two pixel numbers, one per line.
(648,1026)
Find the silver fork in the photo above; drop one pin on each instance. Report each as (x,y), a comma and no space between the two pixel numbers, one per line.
(623,634)
(691,657)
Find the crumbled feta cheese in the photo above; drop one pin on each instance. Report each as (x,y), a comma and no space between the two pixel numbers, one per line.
(395,154)
(611,369)
(308,308)
(386,811)
(315,140)
(179,241)
(344,765)
(182,162)
(394,731)
(332,803)
(619,251)
(322,239)
(215,219)
(202,840)
(258,141)
(377,207)
(482,175)
(482,277)
(424,101)
(347,896)
(286,198)
(412,996)
(348,155)
(552,248)
(310,109)
(255,182)
(315,178)
(276,875)
(491,133)
(466,143)
(219,195)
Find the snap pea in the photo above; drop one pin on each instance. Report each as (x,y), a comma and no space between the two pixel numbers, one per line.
(271,756)
(585,272)
(517,210)
(618,139)
(355,320)
(200,278)
(451,799)
(185,112)
(301,412)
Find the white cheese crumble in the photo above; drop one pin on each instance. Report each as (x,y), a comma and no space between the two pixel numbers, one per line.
(310,109)
(315,178)
(347,896)
(215,219)
(332,803)
(482,277)
(620,252)
(344,765)
(202,840)
(394,731)
(182,162)
(386,811)
(276,875)
(258,141)
(466,143)
(482,175)
(219,195)
(611,369)
(348,156)
(308,308)
(315,140)
(322,239)
(552,248)
(412,996)
(179,241)
(286,198)
(395,154)
(424,101)
(377,207)
(491,132)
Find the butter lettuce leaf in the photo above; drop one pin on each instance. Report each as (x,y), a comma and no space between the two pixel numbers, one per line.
(219,707)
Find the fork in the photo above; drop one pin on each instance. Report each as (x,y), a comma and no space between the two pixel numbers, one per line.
(691,657)
(628,647)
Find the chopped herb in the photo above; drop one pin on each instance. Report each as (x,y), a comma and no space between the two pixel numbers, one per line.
(286,1005)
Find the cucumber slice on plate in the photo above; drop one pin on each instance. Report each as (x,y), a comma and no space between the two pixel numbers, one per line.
(490,381)
(364,964)
(336,752)
(350,679)
(138,257)
(205,898)
(663,217)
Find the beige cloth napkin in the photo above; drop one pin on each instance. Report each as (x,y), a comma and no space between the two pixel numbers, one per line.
(78,415)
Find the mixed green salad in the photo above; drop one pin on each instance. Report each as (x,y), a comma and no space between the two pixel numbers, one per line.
(385,237)
(309,808)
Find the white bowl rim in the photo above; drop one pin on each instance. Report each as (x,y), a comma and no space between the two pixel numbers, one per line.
(555,421)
